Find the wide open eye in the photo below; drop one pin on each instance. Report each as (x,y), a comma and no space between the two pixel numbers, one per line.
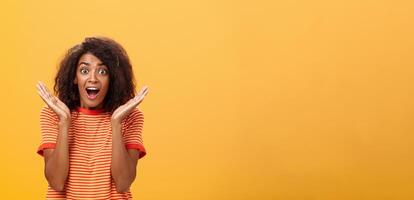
(103,71)
(84,71)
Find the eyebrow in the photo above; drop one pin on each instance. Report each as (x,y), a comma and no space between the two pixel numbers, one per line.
(86,63)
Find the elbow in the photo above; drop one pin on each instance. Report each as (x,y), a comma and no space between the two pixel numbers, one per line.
(122,188)
(123,182)
(57,186)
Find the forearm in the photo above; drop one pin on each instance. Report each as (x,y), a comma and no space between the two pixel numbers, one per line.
(57,166)
(122,166)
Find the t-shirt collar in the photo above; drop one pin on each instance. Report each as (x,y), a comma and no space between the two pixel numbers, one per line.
(89,111)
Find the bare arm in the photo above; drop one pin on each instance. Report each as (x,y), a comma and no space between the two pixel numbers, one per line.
(57,160)
(124,162)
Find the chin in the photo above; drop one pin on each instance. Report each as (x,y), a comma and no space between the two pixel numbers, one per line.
(93,105)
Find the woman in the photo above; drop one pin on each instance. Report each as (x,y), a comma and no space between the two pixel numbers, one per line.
(91,132)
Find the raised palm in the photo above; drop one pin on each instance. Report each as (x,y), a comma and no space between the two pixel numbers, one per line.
(61,110)
(122,111)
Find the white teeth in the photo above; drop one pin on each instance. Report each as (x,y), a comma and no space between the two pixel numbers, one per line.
(92,88)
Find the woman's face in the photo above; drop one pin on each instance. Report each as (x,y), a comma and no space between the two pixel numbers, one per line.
(92,78)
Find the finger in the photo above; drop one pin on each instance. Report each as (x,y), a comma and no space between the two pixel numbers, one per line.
(138,99)
(41,92)
(44,91)
(39,88)
(47,90)
(141,97)
(120,111)
(141,91)
(132,103)
(141,94)
(60,103)
(62,106)
(50,96)
(145,93)
(47,101)
(42,86)
(144,89)
(51,101)
(41,96)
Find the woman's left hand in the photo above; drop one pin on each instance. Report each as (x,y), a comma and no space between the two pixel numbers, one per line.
(122,111)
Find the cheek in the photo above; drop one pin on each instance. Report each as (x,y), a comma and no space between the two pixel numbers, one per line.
(79,80)
(80,93)
(105,84)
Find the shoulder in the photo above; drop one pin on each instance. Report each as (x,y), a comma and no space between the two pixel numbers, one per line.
(47,112)
(45,109)
(136,114)
(48,117)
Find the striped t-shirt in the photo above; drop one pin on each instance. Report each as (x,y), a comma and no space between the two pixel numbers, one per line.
(90,151)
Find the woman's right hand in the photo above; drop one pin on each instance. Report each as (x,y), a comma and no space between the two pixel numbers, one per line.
(61,110)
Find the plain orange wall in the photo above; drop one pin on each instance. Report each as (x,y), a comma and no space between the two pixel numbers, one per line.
(261,100)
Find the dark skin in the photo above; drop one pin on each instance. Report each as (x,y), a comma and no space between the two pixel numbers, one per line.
(124,162)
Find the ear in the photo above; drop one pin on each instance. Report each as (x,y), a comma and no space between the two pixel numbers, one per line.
(75,81)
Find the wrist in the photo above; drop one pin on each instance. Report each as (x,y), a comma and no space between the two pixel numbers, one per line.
(115,123)
(64,124)
(64,120)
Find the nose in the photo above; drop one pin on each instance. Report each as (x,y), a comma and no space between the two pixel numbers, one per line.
(92,78)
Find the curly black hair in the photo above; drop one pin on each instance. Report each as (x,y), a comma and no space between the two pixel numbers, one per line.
(113,55)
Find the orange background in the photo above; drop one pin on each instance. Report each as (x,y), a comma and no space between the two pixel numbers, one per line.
(248,100)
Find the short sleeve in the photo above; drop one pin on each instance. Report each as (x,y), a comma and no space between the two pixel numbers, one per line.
(132,132)
(49,129)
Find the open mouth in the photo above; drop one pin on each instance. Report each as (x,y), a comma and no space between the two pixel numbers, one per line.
(92,92)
